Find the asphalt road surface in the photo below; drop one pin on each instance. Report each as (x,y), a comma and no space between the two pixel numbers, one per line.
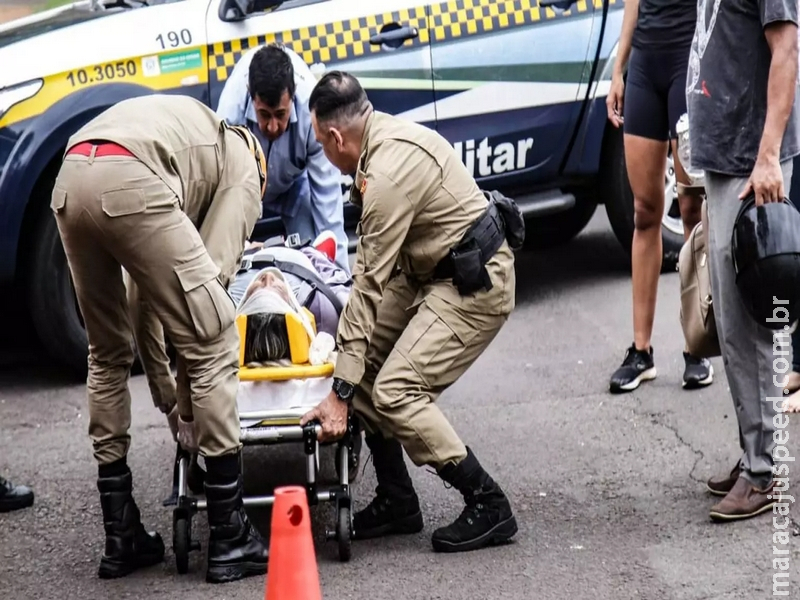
(608,490)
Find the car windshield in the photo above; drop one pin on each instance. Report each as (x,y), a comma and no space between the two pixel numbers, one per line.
(70,15)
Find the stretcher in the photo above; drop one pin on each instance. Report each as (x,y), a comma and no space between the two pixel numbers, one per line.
(271,402)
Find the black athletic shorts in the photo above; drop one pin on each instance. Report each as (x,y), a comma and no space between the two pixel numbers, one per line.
(655,92)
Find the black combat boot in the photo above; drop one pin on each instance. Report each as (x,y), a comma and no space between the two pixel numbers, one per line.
(395,508)
(128,546)
(486,520)
(235,548)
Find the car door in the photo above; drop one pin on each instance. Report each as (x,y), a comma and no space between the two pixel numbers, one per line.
(509,79)
(382,42)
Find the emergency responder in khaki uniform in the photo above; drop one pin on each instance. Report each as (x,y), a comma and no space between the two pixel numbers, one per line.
(407,333)
(135,185)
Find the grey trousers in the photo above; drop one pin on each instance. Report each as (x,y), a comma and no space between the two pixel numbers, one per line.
(747,347)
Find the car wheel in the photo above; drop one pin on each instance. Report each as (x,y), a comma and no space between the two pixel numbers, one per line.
(559,228)
(53,304)
(616,190)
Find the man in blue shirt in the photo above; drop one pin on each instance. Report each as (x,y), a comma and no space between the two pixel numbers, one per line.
(268,93)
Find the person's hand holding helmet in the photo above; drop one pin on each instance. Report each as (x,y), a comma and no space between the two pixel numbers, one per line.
(766,180)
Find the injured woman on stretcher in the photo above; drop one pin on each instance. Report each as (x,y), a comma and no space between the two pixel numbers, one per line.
(272,281)
(276,281)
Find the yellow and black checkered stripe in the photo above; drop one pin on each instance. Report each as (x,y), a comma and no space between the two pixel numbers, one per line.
(345,40)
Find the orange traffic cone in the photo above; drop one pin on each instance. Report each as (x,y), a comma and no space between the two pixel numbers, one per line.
(293,571)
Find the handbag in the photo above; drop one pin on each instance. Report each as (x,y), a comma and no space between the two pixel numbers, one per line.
(697,310)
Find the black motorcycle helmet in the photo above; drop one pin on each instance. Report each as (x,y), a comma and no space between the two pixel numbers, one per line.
(766,260)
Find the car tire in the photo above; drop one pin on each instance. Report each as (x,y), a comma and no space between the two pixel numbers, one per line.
(559,228)
(53,304)
(616,190)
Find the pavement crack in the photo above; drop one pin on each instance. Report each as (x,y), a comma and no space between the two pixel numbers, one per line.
(656,419)
(759,567)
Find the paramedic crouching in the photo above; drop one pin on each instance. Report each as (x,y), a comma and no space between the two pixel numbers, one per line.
(160,186)
(415,321)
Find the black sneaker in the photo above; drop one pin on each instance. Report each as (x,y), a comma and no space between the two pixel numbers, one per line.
(698,373)
(637,367)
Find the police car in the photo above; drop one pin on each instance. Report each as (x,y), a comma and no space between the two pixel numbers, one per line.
(517,86)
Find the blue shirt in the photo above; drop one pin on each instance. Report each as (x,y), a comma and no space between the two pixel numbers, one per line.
(299,176)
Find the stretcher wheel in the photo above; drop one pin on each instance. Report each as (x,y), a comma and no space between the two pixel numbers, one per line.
(181,544)
(343,533)
(353,460)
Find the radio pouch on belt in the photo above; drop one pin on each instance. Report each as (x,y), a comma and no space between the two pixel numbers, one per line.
(465,264)
(469,271)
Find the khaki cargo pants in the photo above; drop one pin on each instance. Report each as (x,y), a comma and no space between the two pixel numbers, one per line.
(423,341)
(112,213)
(148,333)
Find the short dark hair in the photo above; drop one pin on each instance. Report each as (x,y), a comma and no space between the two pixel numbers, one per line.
(338,95)
(271,74)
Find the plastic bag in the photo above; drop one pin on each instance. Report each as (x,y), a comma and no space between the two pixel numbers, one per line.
(322,349)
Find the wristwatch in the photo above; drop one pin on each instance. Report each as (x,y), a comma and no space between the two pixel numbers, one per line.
(343,390)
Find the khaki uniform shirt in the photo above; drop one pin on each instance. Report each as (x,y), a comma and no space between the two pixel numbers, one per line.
(184,143)
(417,201)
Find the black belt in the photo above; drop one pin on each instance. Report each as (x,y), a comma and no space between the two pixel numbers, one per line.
(466,262)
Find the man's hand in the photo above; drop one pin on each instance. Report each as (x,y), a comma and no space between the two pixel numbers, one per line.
(766,181)
(186,435)
(332,415)
(615,100)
